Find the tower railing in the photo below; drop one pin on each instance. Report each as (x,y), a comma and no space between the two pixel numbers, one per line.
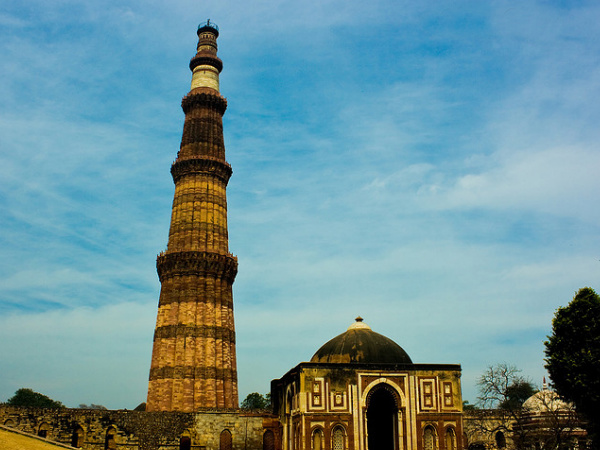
(209,24)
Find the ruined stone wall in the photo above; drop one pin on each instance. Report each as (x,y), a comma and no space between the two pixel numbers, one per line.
(246,429)
(135,430)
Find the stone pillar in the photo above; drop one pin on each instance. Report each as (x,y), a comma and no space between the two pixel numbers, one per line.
(193,357)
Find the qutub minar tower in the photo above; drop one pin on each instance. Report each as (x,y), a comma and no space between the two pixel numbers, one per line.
(193,357)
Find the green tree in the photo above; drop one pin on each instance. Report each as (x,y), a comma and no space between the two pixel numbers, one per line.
(256,402)
(516,394)
(28,397)
(468,407)
(573,356)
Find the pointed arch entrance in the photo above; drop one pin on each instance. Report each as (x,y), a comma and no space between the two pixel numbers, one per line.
(382,418)
(77,437)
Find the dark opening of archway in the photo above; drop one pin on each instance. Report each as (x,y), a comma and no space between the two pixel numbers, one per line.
(225,441)
(185,443)
(382,414)
(269,440)
(477,446)
(77,437)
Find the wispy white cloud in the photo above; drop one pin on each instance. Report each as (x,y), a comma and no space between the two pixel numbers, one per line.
(559,181)
(431,169)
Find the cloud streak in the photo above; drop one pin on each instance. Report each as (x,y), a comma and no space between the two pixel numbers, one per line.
(431,169)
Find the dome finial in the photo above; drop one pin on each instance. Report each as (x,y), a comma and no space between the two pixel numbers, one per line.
(359,325)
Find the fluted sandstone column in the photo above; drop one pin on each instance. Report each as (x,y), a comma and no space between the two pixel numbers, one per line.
(193,357)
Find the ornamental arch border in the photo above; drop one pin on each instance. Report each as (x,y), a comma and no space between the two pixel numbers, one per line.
(434,425)
(450,433)
(390,386)
(314,431)
(338,426)
(435,433)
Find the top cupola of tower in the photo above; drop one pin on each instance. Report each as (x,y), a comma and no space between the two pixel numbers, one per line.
(205,65)
(209,27)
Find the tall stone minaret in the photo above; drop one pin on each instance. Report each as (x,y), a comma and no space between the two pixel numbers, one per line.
(193,357)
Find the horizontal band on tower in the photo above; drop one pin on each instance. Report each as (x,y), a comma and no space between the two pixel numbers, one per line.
(195,331)
(206,59)
(166,299)
(200,197)
(201,165)
(204,98)
(193,372)
(201,264)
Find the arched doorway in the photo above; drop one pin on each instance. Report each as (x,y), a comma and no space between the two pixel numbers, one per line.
(185,442)
(77,436)
(317,439)
(450,439)
(477,446)
(500,440)
(429,438)
(225,441)
(269,440)
(44,430)
(337,438)
(382,419)
(109,441)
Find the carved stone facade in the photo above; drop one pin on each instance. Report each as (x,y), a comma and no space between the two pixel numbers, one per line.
(193,358)
(358,403)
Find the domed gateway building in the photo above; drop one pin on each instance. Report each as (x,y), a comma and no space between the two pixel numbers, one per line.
(362,391)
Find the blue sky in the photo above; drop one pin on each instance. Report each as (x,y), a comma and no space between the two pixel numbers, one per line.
(430,166)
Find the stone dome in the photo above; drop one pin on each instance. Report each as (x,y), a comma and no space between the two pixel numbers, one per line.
(544,401)
(360,344)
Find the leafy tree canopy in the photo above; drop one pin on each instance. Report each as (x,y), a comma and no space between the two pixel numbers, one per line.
(468,407)
(516,394)
(573,355)
(256,402)
(28,397)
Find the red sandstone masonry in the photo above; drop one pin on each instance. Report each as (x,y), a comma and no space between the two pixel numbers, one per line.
(193,358)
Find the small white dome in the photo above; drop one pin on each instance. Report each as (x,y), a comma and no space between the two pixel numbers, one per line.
(546,400)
